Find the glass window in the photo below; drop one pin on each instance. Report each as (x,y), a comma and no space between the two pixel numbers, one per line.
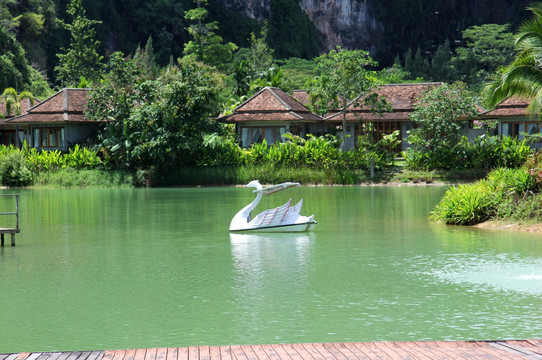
(49,137)
(505,129)
(270,135)
(256,136)
(245,137)
(282,131)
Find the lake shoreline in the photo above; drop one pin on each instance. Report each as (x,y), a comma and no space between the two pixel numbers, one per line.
(511,226)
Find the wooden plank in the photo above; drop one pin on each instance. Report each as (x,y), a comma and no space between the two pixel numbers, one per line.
(172,354)
(161,353)
(435,350)
(349,351)
(44,356)
(302,351)
(139,354)
(390,352)
(280,352)
(12,357)
(370,350)
(23,356)
(150,354)
(314,353)
(497,352)
(334,351)
(225,353)
(94,355)
(108,355)
(129,354)
(204,353)
(73,356)
(182,353)
(238,352)
(324,351)
(267,352)
(517,349)
(415,351)
(214,352)
(54,356)
(119,355)
(249,352)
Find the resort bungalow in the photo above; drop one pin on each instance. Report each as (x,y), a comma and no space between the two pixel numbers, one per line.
(513,120)
(269,114)
(56,123)
(361,120)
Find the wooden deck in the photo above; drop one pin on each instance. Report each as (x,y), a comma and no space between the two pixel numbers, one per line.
(423,350)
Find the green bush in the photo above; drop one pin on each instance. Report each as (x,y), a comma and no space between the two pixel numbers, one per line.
(486,152)
(14,170)
(466,204)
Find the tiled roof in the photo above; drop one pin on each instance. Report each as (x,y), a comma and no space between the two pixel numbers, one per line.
(401,97)
(67,105)
(271,104)
(511,107)
(302,96)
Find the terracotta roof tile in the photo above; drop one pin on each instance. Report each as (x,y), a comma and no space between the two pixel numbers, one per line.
(271,104)
(302,96)
(48,118)
(275,116)
(511,107)
(67,105)
(75,99)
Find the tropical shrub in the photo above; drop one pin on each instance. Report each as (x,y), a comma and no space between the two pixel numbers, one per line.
(466,204)
(14,170)
(478,202)
(486,152)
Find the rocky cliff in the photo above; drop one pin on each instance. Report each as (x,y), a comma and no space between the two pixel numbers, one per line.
(348,23)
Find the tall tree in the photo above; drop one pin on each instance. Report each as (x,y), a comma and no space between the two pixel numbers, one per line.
(343,79)
(441,63)
(523,77)
(82,58)
(155,124)
(487,47)
(261,56)
(206,45)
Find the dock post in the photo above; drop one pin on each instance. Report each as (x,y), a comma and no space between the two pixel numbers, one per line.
(2,237)
(12,239)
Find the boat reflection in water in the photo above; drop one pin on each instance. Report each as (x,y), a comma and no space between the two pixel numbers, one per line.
(265,265)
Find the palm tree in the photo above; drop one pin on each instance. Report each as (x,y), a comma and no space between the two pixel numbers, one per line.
(523,77)
(12,100)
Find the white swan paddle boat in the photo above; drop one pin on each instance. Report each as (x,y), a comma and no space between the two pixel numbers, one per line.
(285,218)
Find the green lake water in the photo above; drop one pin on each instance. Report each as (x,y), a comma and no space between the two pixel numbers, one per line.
(136,268)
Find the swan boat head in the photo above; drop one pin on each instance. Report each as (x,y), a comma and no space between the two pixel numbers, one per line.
(242,218)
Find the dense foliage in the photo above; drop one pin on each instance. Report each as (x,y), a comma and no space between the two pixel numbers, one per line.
(486,152)
(81,59)
(151,125)
(495,197)
(522,78)
(344,78)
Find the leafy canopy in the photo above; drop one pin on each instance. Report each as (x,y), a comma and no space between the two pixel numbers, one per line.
(438,114)
(154,124)
(82,58)
(206,45)
(343,78)
(523,77)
